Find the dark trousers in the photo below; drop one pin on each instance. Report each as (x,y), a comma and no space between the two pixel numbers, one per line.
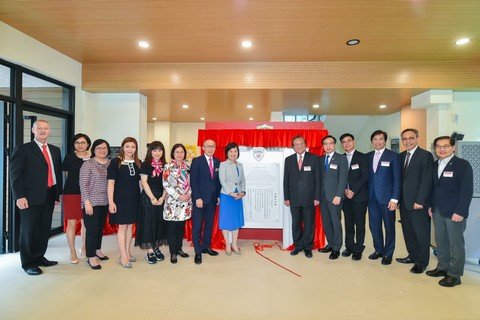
(175,234)
(378,213)
(331,220)
(354,213)
(94,225)
(303,239)
(450,244)
(416,232)
(35,229)
(202,219)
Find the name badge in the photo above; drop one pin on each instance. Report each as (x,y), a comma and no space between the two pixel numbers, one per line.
(307,168)
(355,166)
(448,174)
(333,166)
(385,163)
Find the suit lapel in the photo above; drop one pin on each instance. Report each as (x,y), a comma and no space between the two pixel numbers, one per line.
(37,152)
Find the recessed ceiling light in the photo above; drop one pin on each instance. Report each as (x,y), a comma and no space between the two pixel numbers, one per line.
(463,41)
(247,44)
(382,106)
(202,118)
(185,106)
(249,106)
(143,44)
(154,119)
(316,106)
(353,42)
(250,119)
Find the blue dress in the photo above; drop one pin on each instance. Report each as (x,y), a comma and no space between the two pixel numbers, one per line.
(231,212)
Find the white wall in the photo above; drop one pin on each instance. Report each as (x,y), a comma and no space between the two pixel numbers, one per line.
(466,114)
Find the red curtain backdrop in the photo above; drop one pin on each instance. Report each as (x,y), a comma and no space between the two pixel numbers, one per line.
(267,138)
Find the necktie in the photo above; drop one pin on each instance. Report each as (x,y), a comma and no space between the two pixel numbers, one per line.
(349,159)
(327,161)
(210,164)
(407,161)
(47,159)
(300,163)
(376,158)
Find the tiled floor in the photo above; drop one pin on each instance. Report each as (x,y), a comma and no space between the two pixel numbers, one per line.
(232,287)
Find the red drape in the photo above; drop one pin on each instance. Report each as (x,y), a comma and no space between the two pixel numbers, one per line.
(268,138)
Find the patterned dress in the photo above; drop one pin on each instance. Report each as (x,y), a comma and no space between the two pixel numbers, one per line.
(176,181)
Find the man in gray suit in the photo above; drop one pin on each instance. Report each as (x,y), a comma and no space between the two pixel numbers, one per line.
(334,175)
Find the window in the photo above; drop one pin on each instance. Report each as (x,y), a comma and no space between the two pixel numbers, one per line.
(5,80)
(44,92)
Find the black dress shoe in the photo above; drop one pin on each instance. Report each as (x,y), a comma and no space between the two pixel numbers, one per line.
(386,261)
(308,253)
(346,253)
(173,258)
(97,267)
(334,255)
(417,269)
(449,281)
(102,258)
(294,252)
(210,252)
(436,273)
(357,256)
(198,258)
(375,256)
(405,260)
(183,254)
(34,271)
(326,249)
(44,262)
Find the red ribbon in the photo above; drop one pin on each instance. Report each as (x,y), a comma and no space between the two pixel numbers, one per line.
(260,247)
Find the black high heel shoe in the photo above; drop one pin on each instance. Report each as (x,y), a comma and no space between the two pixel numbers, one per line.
(182,254)
(173,258)
(97,267)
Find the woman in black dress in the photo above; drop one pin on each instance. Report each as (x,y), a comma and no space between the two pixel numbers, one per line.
(151,231)
(123,176)
(72,210)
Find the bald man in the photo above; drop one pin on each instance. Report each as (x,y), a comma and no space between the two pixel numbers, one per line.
(206,187)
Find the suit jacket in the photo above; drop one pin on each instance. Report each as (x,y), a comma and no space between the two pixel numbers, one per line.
(417,179)
(453,191)
(203,186)
(29,172)
(301,187)
(385,183)
(230,179)
(358,176)
(334,178)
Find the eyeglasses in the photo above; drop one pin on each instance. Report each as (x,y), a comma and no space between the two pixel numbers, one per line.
(80,142)
(101,148)
(409,139)
(209,146)
(444,147)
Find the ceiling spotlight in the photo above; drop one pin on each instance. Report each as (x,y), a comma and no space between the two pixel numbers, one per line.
(316,106)
(247,44)
(353,42)
(202,118)
(185,106)
(249,106)
(382,106)
(143,44)
(463,41)
(250,119)
(154,119)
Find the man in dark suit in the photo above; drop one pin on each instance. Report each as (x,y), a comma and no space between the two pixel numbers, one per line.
(417,171)
(205,194)
(356,198)
(301,189)
(334,173)
(450,202)
(384,185)
(36,180)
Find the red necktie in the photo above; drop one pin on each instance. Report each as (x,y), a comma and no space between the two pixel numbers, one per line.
(300,163)
(50,172)
(210,164)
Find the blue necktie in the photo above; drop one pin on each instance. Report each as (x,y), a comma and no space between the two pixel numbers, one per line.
(327,162)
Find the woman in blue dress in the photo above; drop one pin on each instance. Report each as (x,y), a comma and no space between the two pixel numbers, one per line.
(232,180)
